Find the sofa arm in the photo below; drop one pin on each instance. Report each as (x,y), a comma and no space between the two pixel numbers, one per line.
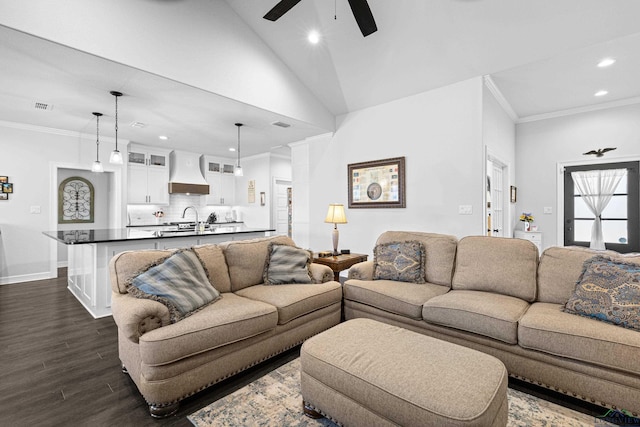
(137,316)
(362,271)
(320,273)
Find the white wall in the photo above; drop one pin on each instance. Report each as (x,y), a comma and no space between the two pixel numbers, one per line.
(440,134)
(542,144)
(190,44)
(261,169)
(28,156)
(499,137)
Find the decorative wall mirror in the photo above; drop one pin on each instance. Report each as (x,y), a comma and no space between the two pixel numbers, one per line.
(75,201)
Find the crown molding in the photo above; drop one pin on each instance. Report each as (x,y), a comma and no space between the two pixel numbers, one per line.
(491,85)
(579,110)
(59,132)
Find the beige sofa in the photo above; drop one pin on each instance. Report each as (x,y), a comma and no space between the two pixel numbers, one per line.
(495,295)
(250,323)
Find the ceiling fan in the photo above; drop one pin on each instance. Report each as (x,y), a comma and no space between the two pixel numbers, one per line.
(360,9)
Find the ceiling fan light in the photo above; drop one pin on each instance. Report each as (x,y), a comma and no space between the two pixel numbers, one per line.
(116,157)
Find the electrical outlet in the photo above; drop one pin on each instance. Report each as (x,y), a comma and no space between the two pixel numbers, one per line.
(465,210)
(547,210)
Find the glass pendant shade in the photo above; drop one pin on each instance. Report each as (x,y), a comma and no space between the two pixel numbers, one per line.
(238,169)
(97,166)
(116,156)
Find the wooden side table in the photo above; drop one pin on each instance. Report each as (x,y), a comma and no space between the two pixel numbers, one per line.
(340,262)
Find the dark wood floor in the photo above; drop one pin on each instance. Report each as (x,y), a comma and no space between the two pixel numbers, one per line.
(60,367)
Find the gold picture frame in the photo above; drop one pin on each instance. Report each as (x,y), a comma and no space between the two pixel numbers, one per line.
(513,191)
(377,184)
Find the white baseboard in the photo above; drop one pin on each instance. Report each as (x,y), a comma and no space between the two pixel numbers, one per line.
(26,278)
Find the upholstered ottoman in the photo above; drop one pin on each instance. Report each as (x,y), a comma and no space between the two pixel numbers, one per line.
(367,373)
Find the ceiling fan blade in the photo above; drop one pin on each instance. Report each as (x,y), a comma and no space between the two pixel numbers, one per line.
(280,9)
(364,17)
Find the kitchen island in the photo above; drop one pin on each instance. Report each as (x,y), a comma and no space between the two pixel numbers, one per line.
(90,251)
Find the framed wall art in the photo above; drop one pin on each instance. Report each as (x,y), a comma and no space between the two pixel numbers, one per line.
(377,184)
(4,196)
(7,187)
(75,201)
(513,191)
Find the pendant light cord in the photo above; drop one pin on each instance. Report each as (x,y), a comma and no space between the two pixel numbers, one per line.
(97,137)
(116,123)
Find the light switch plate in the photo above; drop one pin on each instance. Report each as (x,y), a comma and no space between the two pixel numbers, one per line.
(465,210)
(34,209)
(547,210)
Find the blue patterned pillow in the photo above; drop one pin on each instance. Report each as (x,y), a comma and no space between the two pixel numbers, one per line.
(287,265)
(400,261)
(179,282)
(608,290)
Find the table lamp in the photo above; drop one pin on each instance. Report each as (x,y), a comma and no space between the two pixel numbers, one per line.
(336,216)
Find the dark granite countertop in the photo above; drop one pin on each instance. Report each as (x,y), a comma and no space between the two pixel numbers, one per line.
(74,237)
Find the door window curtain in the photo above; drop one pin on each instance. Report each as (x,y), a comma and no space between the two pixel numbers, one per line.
(596,188)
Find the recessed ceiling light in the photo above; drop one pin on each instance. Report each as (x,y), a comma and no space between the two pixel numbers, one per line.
(164,138)
(138,125)
(606,62)
(232,149)
(601,93)
(314,37)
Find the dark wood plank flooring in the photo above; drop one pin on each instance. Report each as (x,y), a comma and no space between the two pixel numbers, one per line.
(60,367)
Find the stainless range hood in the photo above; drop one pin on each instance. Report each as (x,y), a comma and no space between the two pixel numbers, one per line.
(185,176)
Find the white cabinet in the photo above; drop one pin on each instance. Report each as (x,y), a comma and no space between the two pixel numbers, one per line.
(219,175)
(534,237)
(148,175)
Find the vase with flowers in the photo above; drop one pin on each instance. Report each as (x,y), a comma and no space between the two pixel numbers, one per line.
(158,214)
(527,219)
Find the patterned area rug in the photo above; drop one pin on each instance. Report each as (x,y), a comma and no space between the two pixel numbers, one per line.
(274,400)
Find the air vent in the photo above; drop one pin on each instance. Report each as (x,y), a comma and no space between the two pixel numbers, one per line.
(281,124)
(138,125)
(43,106)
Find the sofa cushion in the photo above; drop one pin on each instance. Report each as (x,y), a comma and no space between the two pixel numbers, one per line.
(440,252)
(212,259)
(401,298)
(400,261)
(295,300)
(608,290)
(246,259)
(179,282)
(560,269)
(496,264)
(484,313)
(545,327)
(231,319)
(287,265)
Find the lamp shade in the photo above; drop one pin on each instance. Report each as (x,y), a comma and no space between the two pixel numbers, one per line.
(336,214)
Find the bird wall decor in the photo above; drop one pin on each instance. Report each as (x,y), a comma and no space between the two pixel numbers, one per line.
(599,152)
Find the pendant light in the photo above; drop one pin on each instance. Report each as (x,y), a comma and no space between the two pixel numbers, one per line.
(238,170)
(97,166)
(116,156)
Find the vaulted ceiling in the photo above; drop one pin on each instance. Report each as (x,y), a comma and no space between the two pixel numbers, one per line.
(541,55)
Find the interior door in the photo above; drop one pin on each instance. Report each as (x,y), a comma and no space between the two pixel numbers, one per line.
(495,213)
(281,207)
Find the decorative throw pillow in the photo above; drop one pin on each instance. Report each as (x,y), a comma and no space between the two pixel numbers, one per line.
(400,261)
(179,282)
(608,290)
(286,265)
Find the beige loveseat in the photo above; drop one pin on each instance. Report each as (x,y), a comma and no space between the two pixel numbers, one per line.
(250,323)
(495,295)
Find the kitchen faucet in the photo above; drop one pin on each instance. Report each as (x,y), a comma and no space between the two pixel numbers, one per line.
(195,210)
